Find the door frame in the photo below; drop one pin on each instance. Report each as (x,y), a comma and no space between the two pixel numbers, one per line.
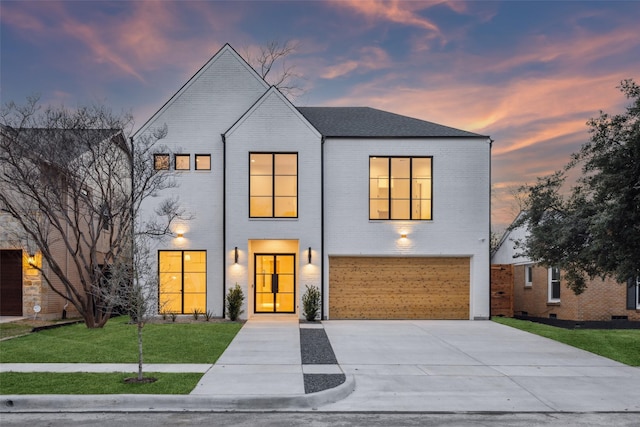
(255,287)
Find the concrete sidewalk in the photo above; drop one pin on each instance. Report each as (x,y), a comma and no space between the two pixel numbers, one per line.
(422,366)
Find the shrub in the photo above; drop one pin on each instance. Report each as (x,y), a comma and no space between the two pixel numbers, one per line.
(196,314)
(208,315)
(173,316)
(311,302)
(235,298)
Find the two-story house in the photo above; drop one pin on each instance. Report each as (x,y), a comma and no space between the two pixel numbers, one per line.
(387,215)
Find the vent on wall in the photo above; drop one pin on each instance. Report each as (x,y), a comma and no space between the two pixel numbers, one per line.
(619,317)
(553,316)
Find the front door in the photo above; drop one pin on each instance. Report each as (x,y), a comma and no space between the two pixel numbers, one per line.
(275,283)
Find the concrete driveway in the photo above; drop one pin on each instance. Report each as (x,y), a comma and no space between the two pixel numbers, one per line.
(473,366)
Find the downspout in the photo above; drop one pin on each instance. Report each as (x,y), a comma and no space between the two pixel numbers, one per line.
(224,221)
(322,284)
(489,237)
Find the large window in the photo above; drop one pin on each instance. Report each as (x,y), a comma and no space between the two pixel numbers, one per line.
(554,284)
(183,281)
(528,275)
(203,162)
(273,185)
(400,188)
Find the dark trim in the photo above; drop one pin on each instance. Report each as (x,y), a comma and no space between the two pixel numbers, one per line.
(407,137)
(273,184)
(411,178)
(175,161)
(224,222)
(489,236)
(206,279)
(168,156)
(175,94)
(322,256)
(295,282)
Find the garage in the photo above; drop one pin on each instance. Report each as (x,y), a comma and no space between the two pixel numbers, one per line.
(10,282)
(399,287)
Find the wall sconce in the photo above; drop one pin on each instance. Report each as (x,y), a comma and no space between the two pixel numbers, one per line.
(31,260)
(180,235)
(403,236)
(309,255)
(235,254)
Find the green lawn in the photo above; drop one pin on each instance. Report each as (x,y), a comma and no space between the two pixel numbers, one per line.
(622,345)
(91,383)
(201,342)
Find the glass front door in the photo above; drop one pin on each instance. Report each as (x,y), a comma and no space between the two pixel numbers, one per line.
(275,283)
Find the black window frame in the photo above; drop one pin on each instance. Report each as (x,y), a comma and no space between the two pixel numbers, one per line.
(196,156)
(157,156)
(554,292)
(182,251)
(175,161)
(411,178)
(273,183)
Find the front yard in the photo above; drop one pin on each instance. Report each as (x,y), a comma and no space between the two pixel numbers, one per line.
(195,342)
(622,345)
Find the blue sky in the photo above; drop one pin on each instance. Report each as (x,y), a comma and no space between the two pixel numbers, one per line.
(529,74)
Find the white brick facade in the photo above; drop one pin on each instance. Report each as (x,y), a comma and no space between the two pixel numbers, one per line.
(227,111)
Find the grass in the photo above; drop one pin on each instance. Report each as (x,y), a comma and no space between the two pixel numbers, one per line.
(117,343)
(201,342)
(622,345)
(12,329)
(91,383)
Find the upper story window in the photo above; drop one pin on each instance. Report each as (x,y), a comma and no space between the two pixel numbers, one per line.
(400,188)
(203,162)
(182,162)
(161,162)
(554,284)
(273,185)
(528,275)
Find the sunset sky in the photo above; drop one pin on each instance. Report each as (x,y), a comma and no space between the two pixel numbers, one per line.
(529,74)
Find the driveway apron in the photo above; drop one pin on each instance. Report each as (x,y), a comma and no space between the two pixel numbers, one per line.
(473,366)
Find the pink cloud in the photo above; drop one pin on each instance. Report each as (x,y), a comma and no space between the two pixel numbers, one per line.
(396,11)
(368,58)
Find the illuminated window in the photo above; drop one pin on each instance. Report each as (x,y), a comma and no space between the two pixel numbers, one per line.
(182,162)
(161,162)
(203,162)
(273,185)
(400,188)
(554,284)
(183,281)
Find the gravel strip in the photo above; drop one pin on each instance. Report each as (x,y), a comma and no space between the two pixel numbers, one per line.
(315,349)
(314,383)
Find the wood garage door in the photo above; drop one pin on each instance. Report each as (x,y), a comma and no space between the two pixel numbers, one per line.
(398,288)
(11,282)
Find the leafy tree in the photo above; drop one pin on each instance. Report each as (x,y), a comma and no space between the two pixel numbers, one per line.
(594,229)
(73,184)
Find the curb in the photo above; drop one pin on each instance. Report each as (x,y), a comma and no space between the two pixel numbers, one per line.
(172,403)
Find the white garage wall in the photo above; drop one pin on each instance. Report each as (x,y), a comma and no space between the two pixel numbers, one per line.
(461,197)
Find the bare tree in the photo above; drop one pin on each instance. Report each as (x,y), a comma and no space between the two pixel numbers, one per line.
(271,63)
(74,184)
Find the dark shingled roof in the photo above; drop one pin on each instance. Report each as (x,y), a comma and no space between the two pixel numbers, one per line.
(365,122)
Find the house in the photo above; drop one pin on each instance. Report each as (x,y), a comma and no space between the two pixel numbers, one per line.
(40,269)
(387,215)
(539,292)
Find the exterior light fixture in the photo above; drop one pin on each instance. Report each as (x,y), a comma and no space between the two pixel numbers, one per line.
(235,254)
(180,235)
(31,260)
(309,255)
(403,235)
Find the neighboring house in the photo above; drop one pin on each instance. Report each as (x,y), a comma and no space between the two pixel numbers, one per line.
(386,214)
(540,292)
(23,286)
